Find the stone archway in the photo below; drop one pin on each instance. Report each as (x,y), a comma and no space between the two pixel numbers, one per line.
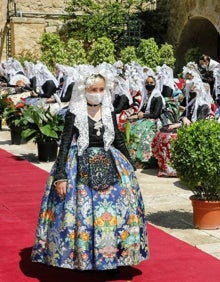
(198,32)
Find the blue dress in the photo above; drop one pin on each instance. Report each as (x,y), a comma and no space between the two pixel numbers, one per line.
(93,228)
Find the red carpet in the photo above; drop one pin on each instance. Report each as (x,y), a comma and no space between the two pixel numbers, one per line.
(21,188)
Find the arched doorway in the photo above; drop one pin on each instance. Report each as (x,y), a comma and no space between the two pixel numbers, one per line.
(198,32)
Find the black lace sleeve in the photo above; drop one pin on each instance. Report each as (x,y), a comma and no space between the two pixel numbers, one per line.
(66,140)
(121,103)
(155,108)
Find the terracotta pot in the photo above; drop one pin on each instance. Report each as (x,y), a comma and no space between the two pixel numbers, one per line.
(206,214)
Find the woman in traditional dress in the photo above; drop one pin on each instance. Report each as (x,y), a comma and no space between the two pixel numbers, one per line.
(92,214)
(142,127)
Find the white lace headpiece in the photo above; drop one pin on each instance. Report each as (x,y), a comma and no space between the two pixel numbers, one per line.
(29,69)
(155,93)
(43,74)
(166,77)
(78,105)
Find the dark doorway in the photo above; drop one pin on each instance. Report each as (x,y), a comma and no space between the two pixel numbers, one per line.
(198,32)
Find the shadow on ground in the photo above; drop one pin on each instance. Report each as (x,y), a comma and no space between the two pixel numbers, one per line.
(172,219)
(44,273)
(33,158)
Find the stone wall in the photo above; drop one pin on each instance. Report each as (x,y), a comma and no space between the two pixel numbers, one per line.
(3,14)
(180,12)
(192,23)
(28,20)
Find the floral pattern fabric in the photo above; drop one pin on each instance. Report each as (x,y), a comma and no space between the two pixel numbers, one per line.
(161,151)
(139,136)
(92,229)
(97,169)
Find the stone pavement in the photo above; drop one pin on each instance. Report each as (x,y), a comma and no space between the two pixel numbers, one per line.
(166,200)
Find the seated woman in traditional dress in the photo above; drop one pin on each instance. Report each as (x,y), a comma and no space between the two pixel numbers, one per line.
(132,93)
(197,105)
(46,83)
(142,127)
(60,100)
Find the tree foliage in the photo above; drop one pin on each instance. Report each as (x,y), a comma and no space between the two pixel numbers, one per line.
(192,55)
(102,51)
(89,20)
(128,54)
(52,48)
(148,53)
(166,55)
(75,52)
(98,31)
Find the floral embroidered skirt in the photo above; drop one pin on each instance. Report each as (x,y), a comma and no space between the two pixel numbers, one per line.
(92,228)
(161,150)
(139,136)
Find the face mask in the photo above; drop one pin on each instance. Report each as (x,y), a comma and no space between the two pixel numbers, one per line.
(203,66)
(149,87)
(95,98)
(189,81)
(119,71)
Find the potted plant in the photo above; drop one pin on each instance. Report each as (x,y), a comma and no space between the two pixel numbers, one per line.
(195,154)
(5,102)
(12,115)
(44,128)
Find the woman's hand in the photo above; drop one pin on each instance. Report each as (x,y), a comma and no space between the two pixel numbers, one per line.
(140,115)
(186,121)
(61,187)
(174,126)
(133,117)
(50,100)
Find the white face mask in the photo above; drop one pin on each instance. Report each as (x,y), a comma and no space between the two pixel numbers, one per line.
(95,98)
(203,66)
(189,83)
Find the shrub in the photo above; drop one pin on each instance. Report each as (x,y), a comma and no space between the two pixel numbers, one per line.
(196,158)
(102,51)
(128,55)
(166,55)
(148,53)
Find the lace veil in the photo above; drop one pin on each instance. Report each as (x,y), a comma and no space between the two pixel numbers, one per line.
(78,105)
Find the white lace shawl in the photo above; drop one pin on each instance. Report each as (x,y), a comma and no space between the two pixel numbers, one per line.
(78,106)
(155,93)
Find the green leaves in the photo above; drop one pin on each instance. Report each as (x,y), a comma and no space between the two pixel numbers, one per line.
(196,158)
(40,124)
(166,55)
(148,52)
(102,51)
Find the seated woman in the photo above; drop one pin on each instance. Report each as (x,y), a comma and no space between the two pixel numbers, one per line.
(161,143)
(64,94)
(45,84)
(3,79)
(142,127)
(197,106)
(60,100)
(48,89)
(131,93)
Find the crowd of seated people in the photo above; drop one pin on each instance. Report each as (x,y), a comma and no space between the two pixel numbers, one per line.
(149,104)
(36,83)
(197,104)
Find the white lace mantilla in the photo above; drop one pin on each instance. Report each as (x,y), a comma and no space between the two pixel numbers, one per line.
(78,106)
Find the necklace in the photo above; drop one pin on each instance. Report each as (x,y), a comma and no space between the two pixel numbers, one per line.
(97,126)
(93,108)
(90,105)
